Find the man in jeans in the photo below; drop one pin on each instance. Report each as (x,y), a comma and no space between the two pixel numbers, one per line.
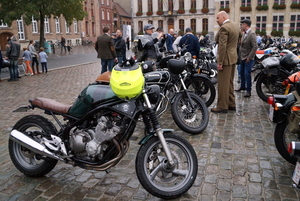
(106,50)
(120,46)
(248,48)
(13,53)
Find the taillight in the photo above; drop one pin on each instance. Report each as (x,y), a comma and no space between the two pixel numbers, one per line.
(285,82)
(271,100)
(294,148)
(290,148)
(295,108)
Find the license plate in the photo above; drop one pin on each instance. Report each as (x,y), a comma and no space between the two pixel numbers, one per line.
(296,175)
(271,113)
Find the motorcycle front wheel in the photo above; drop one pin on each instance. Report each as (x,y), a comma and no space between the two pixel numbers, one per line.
(266,86)
(204,88)
(282,138)
(190,116)
(154,173)
(26,161)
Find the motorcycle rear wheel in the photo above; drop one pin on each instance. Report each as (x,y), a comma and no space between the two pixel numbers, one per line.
(282,138)
(154,174)
(263,86)
(193,122)
(26,161)
(203,88)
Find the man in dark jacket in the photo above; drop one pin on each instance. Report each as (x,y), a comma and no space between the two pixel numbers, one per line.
(106,50)
(120,46)
(13,49)
(191,42)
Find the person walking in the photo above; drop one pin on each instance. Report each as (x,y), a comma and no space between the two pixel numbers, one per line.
(106,50)
(128,42)
(34,56)
(191,42)
(148,43)
(227,39)
(27,58)
(12,53)
(169,40)
(120,46)
(63,44)
(43,59)
(247,49)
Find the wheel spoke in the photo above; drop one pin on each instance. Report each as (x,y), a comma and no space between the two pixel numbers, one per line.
(180,172)
(32,161)
(155,171)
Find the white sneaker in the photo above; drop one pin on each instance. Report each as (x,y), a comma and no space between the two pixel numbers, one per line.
(31,74)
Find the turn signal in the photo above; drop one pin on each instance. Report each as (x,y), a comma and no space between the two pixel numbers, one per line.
(295,108)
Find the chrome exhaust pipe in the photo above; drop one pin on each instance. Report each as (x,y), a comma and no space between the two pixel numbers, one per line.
(32,145)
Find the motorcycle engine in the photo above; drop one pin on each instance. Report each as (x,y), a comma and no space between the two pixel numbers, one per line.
(89,144)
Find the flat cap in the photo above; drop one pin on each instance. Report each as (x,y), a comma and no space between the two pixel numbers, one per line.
(188,29)
(148,26)
(246,21)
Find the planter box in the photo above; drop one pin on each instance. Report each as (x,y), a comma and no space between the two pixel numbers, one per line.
(181,11)
(139,13)
(295,5)
(262,7)
(149,13)
(245,8)
(160,12)
(279,7)
(227,10)
(204,10)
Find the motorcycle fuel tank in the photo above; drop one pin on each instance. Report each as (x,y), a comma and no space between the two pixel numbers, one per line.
(90,95)
(157,77)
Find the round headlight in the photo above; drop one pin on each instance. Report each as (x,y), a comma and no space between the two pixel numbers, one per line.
(187,56)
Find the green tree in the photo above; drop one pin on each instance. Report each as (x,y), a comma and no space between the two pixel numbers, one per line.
(39,9)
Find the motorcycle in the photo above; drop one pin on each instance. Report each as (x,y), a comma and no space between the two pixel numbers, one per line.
(284,111)
(96,131)
(188,110)
(294,150)
(274,70)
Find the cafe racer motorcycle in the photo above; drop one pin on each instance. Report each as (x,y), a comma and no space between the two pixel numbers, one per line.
(96,131)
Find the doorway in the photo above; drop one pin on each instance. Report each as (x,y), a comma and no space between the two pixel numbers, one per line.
(170,24)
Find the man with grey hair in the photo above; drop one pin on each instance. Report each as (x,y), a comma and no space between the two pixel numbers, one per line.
(13,50)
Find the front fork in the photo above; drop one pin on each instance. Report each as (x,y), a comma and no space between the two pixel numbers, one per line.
(158,130)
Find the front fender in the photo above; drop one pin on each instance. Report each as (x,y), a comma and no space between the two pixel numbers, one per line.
(150,135)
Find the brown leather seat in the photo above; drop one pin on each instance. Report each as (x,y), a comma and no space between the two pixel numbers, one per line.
(104,77)
(50,104)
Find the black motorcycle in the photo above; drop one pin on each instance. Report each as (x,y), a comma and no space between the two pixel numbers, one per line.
(284,111)
(273,71)
(95,135)
(294,150)
(188,110)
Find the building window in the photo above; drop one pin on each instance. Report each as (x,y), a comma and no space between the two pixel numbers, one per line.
(140,6)
(160,23)
(278,23)
(67,27)
(75,26)
(296,1)
(193,24)
(93,28)
(140,26)
(262,2)
(224,4)
(46,23)
(102,14)
(246,3)
(181,4)
(193,3)
(57,25)
(116,24)
(295,23)
(87,28)
(181,25)
(107,2)
(170,5)
(205,24)
(261,23)
(34,25)
(205,3)
(150,22)
(245,17)
(108,15)
(279,2)
(150,6)
(160,5)
(92,10)
(2,24)
(21,33)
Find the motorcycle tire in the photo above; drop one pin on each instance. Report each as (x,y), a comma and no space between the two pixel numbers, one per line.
(263,82)
(282,138)
(160,180)
(203,88)
(193,122)
(26,161)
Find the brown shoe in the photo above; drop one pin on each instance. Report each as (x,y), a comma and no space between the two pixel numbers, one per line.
(248,94)
(218,110)
(240,89)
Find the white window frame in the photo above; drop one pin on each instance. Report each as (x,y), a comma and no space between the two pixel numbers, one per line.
(107,2)
(279,2)
(295,22)
(67,27)
(277,22)
(46,23)
(3,24)
(57,25)
(261,23)
(103,15)
(34,25)
(75,26)
(296,1)
(262,2)
(21,33)
(247,3)
(108,15)
(224,3)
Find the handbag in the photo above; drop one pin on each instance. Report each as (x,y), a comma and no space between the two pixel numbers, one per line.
(5,63)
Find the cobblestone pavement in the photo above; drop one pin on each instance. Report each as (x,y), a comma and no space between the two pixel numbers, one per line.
(236,154)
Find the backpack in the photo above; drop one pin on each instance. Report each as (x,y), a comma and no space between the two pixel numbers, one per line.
(294,116)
